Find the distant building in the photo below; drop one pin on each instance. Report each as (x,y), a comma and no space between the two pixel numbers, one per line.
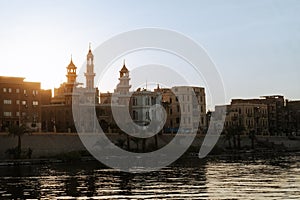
(171,104)
(275,112)
(186,108)
(121,93)
(293,117)
(118,100)
(249,117)
(20,102)
(58,115)
(142,106)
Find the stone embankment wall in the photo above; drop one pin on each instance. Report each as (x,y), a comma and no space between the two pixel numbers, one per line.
(50,144)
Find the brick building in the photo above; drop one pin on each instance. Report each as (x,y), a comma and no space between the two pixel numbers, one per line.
(20,102)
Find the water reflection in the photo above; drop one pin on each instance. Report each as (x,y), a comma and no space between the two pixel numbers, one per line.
(210,179)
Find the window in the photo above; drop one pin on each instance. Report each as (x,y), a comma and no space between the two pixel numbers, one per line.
(177,120)
(17,102)
(17,114)
(178,108)
(35,103)
(147,115)
(4,90)
(7,114)
(25,91)
(9,90)
(17,90)
(134,101)
(135,115)
(34,92)
(170,111)
(153,100)
(7,101)
(147,101)
(24,102)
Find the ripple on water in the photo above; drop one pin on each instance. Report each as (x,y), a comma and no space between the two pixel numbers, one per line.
(218,179)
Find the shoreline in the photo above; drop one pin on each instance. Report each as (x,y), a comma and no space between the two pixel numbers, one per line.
(226,155)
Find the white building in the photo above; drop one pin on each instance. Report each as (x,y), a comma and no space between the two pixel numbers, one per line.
(143,109)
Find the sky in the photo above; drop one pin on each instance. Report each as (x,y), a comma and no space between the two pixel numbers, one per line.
(254,44)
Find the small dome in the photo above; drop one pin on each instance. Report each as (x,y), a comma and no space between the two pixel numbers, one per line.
(124,68)
(90,54)
(71,65)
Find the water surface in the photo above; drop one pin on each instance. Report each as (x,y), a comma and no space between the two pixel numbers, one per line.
(190,178)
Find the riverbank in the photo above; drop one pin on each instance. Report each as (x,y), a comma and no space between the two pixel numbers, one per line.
(50,145)
(83,157)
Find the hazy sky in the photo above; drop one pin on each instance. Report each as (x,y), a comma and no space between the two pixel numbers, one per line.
(254,44)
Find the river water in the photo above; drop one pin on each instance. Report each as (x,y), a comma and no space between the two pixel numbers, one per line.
(274,177)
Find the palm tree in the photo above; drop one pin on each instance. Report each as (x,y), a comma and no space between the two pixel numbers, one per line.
(227,137)
(231,132)
(18,131)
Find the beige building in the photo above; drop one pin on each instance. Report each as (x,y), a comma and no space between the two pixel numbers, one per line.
(275,112)
(186,108)
(250,116)
(247,116)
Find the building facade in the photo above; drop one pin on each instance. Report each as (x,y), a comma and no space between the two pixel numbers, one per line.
(275,112)
(58,116)
(21,102)
(293,117)
(186,108)
(143,107)
(248,117)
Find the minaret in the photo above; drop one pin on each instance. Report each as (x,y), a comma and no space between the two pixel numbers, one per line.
(123,86)
(70,84)
(71,72)
(90,75)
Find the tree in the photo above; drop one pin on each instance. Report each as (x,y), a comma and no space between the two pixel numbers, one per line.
(234,132)
(18,131)
(227,138)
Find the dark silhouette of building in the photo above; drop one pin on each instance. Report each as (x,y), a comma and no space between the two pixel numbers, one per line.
(20,102)
(293,117)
